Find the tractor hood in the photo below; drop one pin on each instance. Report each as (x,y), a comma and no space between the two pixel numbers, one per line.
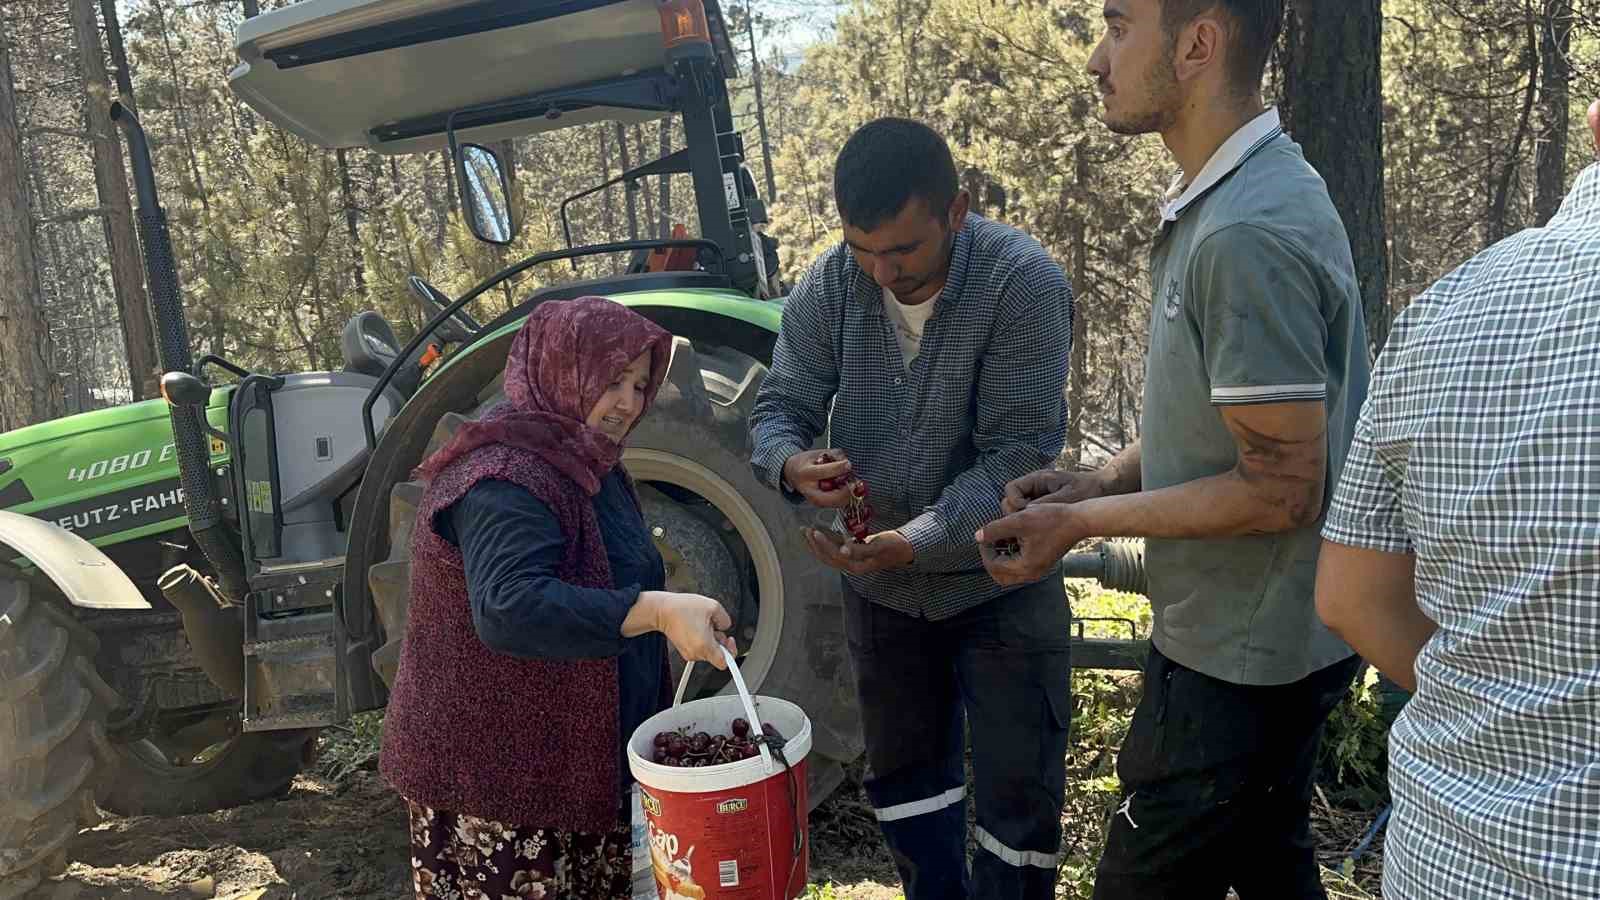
(383,74)
(108,476)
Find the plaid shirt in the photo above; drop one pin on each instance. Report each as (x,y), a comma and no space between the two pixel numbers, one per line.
(982,403)
(1479,451)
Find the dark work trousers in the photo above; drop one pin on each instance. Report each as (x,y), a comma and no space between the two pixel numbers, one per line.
(1005,665)
(1216,782)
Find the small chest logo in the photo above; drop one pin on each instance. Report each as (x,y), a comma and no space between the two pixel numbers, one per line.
(1174,302)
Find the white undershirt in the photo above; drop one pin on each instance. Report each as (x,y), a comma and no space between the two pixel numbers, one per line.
(909,320)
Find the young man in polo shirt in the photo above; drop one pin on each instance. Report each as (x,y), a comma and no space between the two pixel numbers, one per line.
(1256,372)
(932,345)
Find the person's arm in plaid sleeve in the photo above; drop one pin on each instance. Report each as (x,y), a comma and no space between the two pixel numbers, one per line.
(1366,588)
(792,407)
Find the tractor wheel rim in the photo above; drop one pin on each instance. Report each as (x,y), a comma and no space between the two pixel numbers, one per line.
(648,465)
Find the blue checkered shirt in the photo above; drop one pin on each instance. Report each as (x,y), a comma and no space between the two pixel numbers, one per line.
(983,403)
(1479,452)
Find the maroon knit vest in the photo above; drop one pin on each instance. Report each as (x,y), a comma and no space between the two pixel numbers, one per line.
(470,730)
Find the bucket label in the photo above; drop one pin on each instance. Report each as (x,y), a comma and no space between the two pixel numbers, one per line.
(738,845)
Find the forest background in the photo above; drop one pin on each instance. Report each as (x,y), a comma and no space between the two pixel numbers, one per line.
(1441,126)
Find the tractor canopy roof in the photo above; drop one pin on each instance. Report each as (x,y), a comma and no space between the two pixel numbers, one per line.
(387,74)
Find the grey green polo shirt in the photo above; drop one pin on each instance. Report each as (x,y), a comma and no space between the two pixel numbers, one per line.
(1254,301)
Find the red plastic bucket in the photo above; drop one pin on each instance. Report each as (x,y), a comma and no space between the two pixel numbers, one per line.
(737,830)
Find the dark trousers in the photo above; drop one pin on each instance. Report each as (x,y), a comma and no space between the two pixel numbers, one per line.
(1004,666)
(1216,781)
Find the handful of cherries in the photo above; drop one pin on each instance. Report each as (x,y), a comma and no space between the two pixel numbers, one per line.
(681,750)
(859,512)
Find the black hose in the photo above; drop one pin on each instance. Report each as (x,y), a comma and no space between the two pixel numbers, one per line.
(200,501)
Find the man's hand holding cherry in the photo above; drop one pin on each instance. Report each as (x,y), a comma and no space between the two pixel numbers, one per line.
(826,480)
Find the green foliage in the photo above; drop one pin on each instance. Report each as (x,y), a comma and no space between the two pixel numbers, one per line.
(1353,758)
(351,747)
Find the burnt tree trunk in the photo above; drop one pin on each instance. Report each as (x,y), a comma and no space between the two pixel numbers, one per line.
(1333,106)
(111,185)
(30,391)
(1555,109)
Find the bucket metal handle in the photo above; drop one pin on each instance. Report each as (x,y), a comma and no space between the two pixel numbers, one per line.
(744,697)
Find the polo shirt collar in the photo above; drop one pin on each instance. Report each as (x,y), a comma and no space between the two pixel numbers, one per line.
(1250,137)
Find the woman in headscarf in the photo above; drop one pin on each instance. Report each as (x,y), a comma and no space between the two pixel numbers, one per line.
(534,645)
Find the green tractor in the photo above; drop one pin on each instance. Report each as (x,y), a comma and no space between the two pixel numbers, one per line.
(198,586)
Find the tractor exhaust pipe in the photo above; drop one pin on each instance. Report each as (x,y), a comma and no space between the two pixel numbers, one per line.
(200,501)
(215,631)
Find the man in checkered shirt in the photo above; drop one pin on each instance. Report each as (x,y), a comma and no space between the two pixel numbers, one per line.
(1462,558)
(932,344)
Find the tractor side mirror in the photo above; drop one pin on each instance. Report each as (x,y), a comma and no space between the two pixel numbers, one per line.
(486,194)
(183,389)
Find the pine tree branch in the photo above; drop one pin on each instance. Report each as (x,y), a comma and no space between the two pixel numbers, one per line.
(74,215)
(61,132)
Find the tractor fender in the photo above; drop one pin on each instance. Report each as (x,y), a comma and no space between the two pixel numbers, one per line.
(86,576)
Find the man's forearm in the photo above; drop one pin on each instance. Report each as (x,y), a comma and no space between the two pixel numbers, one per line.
(1123,475)
(1226,505)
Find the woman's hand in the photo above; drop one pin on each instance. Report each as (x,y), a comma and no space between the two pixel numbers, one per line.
(697,626)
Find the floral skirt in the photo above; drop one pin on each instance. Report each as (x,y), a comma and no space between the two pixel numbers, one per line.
(461,857)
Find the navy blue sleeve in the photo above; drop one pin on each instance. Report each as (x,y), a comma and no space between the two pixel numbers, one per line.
(511,543)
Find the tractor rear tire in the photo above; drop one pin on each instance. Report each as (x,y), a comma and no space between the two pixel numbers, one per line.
(694,447)
(53,747)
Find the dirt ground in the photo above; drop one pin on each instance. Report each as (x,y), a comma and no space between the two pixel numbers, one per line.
(347,839)
(319,841)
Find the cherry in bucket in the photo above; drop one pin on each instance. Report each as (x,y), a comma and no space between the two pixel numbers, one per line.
(682,750)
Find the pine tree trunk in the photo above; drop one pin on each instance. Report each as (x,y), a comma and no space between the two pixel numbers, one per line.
(665,200)
(449,182)
(111,185)
(630,197)
(1078,389)
(1499,206)
(1334,108)
(358,268)
(1555,113)
(649,198)
(30,391)
(182,115)
(761,104)
(608,214)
